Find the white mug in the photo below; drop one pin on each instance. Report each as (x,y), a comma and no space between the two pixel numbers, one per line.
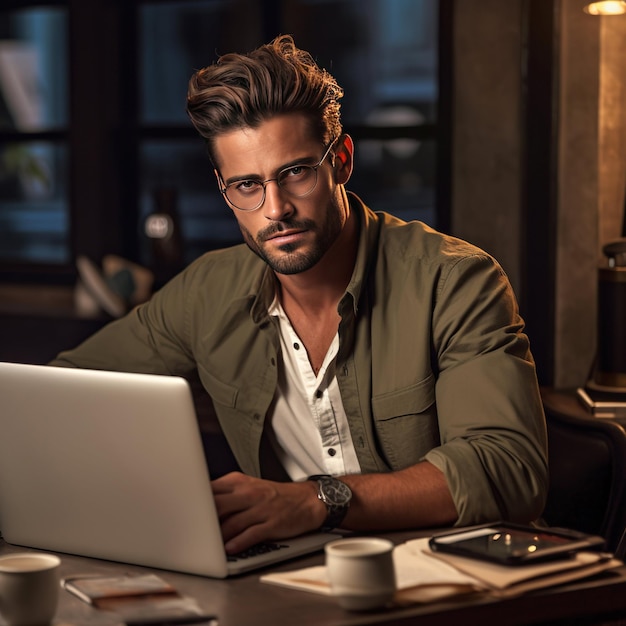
(29,588)
(361,572)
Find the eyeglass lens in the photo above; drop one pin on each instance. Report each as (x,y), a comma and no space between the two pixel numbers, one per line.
(248,195)
(297,181)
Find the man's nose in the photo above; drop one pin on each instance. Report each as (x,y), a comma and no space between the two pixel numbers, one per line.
(277,203)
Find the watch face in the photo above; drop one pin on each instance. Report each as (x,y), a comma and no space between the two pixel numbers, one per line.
(335,492)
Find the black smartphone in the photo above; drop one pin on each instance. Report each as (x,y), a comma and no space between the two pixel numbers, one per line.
(512,544)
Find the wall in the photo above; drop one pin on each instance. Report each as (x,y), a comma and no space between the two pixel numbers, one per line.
(612,128)
(488,150)
(592,177)
(577,221)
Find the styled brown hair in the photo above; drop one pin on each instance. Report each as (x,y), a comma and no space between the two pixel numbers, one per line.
(243,90)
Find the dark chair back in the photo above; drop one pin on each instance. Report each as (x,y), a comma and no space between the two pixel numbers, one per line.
(587,457)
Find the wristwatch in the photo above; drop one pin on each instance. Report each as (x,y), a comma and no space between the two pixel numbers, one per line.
(336,495)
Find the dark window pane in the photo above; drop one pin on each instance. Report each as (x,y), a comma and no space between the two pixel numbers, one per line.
(34,222)
(382,52)
(179,174)
(179,37)
(34,217)
(397,176)
(33,69)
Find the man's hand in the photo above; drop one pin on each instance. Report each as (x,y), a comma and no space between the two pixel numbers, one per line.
(252,510)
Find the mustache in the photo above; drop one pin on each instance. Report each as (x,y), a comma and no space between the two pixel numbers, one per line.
(279,227)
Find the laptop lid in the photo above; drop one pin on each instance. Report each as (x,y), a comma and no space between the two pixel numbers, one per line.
(111,465)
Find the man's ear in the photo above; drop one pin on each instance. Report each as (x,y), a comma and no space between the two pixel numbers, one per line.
(344,159)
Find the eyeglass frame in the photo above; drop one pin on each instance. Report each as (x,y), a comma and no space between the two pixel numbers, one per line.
(263,183)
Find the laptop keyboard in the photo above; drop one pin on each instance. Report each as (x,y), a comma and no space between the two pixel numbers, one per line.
(256,550)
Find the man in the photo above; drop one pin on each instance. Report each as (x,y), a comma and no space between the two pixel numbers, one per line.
(367,373)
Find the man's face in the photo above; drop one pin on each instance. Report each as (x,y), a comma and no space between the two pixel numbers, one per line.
(290,234)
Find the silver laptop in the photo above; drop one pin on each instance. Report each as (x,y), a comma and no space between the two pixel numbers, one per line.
(111,465)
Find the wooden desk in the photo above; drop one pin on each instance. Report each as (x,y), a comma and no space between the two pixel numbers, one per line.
(244,601)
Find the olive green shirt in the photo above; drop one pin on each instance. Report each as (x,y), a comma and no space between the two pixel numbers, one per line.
(433,363)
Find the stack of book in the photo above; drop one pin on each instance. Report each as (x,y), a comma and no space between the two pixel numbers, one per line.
(602,403)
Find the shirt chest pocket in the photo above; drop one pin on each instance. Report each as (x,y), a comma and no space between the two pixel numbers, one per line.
(406,424)
(220,392)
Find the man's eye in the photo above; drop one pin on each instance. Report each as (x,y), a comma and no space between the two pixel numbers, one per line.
(247,186)
(295,171)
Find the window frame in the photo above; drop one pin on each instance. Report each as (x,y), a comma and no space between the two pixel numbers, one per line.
(104,134)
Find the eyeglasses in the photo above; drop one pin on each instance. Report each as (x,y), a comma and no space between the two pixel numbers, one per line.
(297,181)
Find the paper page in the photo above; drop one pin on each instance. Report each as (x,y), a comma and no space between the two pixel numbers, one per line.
(497,576)
(413,569)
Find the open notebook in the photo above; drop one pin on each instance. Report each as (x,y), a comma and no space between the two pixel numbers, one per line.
(111,465)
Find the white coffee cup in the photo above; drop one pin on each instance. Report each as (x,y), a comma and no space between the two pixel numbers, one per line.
(29,588)
(361,572)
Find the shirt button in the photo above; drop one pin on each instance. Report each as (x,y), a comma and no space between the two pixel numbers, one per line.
(319,393)
(332,451)
(296,346)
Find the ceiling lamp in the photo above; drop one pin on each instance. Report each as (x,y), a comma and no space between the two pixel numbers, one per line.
(606,7)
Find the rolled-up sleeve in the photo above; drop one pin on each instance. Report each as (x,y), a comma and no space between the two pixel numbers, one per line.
(493,438)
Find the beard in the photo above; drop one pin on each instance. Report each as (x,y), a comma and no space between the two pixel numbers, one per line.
(290,258)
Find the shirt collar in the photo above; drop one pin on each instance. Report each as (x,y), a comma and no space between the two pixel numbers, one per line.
(366,251)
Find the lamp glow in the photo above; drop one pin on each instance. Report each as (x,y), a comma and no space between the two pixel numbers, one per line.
(606,7)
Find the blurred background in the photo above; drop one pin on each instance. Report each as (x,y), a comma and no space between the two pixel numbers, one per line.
(101,86)
(499,122)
